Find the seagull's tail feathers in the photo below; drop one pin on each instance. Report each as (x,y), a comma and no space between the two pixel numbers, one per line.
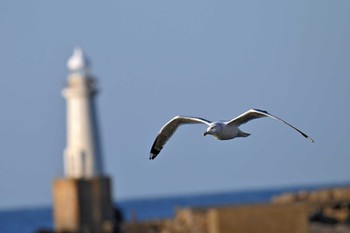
(243,134)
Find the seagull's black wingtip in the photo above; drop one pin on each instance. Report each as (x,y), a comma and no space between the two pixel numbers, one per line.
(307,137)
(154,153)
(310,139)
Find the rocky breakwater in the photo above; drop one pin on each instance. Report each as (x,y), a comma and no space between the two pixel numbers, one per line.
(328,208)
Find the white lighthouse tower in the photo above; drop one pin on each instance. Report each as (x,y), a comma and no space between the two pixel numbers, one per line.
(82,156)
(82,198)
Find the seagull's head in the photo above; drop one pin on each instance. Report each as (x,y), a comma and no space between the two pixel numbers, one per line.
(211,130)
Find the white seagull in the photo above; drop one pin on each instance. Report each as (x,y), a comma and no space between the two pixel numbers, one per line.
(222,130)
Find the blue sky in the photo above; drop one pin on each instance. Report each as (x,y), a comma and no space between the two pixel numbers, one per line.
(157,59)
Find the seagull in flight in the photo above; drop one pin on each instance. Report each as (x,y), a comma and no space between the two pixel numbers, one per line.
(222,130)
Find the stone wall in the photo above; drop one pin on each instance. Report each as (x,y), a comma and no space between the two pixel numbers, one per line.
(317,196)
(83,205)
(243,219)
(291,218)
(288,213)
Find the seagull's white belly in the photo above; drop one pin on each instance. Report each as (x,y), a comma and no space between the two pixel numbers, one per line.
(227,132)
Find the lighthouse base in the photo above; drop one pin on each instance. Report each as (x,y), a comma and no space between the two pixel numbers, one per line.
(83,205)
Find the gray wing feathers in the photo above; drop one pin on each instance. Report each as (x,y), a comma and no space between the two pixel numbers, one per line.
(169,129)
(255,114)
(248,116)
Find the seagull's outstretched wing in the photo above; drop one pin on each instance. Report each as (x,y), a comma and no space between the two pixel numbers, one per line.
(256,113)
(169,129)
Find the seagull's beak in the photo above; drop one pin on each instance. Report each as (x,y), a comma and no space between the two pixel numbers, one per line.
(205,133)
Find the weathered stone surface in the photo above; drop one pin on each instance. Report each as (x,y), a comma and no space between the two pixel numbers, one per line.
(285,198)
(83,205)
(261,218)
(244,219)
(341,194)
(289,213)
(322,228)
(321,196)
(186,220)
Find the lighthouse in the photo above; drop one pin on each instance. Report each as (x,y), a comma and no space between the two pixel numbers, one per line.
(82,198)
(82,156)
